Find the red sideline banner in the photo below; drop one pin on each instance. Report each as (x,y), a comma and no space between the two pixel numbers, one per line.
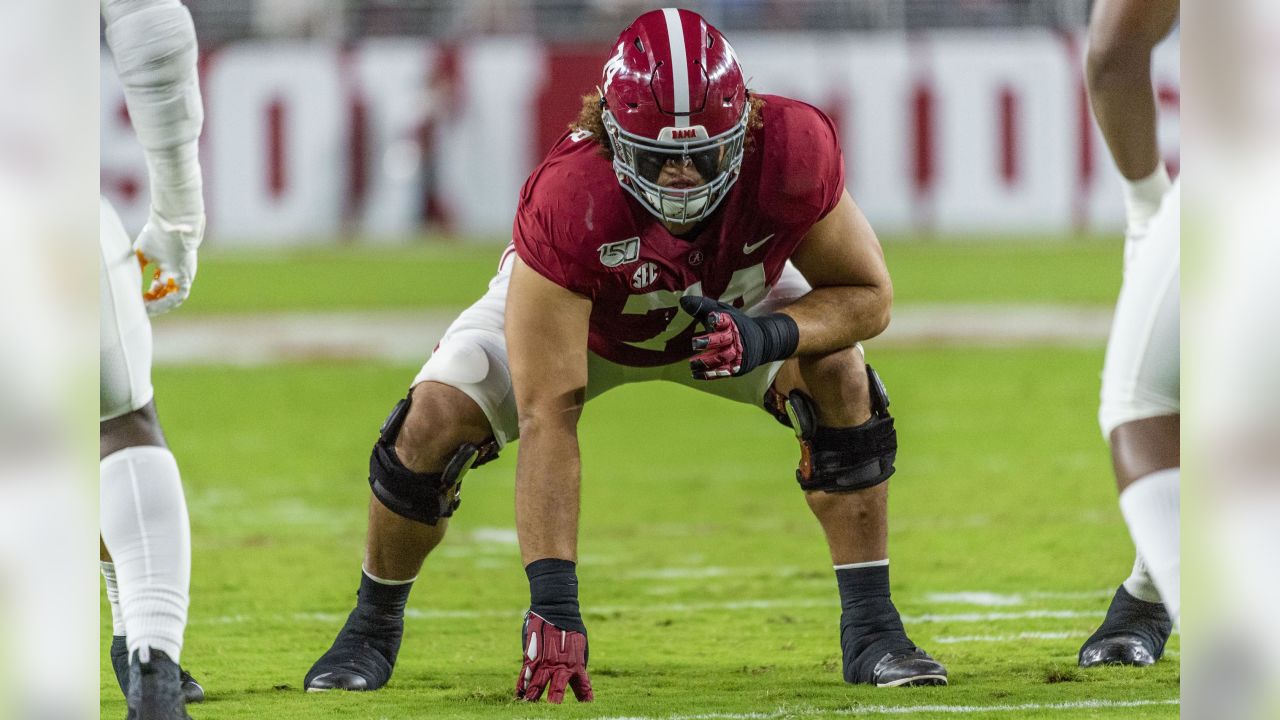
(946,132)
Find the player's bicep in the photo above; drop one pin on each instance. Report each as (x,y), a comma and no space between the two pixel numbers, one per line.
(842,249)
(546,330)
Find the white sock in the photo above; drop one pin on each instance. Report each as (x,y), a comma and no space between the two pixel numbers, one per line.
(855,566)
(144,524)
(1151,507)
(1139,583)
(113,597)
(382,581)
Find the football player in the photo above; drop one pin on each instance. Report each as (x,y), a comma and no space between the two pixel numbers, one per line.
(1139,412)
(685,230)
(146,537)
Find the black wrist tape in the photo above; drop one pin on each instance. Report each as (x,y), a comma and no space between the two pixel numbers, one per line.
(781,336)
(553,593)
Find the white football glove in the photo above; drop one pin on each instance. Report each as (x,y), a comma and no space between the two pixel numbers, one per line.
(171,248)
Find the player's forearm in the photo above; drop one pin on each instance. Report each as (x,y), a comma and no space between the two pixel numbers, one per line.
(1122,36)
(548,470)
(832,318)
(153,43)
(1124,104)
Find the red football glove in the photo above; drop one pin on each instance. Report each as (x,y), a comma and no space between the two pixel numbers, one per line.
(553,659)
(719,348)
(734,343)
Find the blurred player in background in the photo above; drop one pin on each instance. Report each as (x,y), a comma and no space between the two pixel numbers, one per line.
(146,535)
(1139,413)
(679,199)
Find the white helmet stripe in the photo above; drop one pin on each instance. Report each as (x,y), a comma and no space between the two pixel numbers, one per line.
(679,65)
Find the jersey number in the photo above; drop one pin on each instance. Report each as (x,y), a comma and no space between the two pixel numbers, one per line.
(746,284)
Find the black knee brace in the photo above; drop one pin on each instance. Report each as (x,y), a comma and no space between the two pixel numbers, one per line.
(839,459)
(424,497)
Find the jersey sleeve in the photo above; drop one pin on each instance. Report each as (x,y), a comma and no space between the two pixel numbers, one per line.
(802,152)
(546,240)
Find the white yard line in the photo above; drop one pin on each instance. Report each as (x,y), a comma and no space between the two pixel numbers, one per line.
(995,616)
(990,599)
(494,536)
(968,639)
(857,710)
(267,338)
(407,336)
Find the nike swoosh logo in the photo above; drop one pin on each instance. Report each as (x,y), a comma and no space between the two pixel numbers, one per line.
(748,248)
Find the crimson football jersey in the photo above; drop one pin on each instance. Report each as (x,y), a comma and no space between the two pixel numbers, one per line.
(576,226)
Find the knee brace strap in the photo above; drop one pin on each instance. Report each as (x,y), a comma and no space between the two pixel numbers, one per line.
(840,459)
(423,497)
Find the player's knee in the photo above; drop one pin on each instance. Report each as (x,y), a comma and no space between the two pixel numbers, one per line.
(439,418)
(425,447)
(1142,447)
(137,428)
(837,383)
(840,459)
(856,509)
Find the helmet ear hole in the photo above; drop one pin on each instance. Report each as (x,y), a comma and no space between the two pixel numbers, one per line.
(639,45)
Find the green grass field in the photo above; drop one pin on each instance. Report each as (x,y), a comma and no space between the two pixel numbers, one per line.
(705,583)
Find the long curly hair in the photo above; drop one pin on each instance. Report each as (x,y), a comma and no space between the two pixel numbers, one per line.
(590,119)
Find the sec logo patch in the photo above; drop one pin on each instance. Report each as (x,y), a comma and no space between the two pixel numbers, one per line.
(644,276)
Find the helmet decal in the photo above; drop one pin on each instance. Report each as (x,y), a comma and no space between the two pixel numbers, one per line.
(611,68)
(679,66)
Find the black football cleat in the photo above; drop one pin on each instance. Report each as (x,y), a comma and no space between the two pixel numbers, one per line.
(907,669)
(155,689)
(362,656)
(878,652)
(1133,633)
(192,691)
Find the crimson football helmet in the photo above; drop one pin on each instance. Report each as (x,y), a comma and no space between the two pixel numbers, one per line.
(673,90)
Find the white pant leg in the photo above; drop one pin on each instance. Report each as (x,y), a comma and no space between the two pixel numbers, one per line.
(472,357)
(1140,374)
(125,331)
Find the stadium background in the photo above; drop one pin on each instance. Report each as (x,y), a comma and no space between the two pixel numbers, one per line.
(362,163)
(370,120)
